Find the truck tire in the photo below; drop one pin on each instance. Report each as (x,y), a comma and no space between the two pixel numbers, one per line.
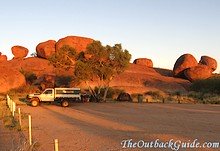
(64,103)
(34,102)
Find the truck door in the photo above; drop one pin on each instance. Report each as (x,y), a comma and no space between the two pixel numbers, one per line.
(48,95)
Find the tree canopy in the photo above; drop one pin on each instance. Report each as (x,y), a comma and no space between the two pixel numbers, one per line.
(64,58)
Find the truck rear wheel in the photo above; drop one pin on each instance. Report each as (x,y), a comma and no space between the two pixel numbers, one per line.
(64,103)
(34,102)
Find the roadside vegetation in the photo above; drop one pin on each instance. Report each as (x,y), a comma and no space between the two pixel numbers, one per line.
(206,91)
(6,116)
(13,125)
(162,97)
(211,85)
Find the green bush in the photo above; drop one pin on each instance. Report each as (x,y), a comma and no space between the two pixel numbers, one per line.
(154,94)
(112,92)
(6,116)
(205,98)
(211,85)
(22,90)
(30,77)
(64,81)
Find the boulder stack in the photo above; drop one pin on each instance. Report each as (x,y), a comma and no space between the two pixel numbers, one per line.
(187,67)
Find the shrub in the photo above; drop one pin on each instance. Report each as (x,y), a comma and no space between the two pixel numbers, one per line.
(7,117)
(135,95)
(34,54)
(139,97)
(112,92)
(22,90)
(155,94)
(64,81)
(211,85)
(123,96)
(30,77)
(205,98)
(196,95)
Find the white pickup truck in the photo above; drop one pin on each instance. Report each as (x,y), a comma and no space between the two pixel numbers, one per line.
(63,95)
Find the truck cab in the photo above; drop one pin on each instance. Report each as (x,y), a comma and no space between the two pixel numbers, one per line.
(47,95)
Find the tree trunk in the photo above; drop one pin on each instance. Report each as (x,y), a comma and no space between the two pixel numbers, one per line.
(92,91)
(105,94)
(99,90)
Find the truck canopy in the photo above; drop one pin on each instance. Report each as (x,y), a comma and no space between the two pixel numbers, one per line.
(67,92)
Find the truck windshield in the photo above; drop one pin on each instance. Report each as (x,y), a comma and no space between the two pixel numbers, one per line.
(48,92)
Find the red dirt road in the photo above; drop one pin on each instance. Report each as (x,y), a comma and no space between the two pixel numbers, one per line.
(103,126)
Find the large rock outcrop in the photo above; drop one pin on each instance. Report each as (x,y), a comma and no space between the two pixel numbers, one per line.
(36,65)
(208,61)
(184,62)
(46,49)
(78,43)
(199,72)
(19,51)
(10,79)
(140,79)
(144,61)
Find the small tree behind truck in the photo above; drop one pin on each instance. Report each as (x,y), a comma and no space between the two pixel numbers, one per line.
(63,95)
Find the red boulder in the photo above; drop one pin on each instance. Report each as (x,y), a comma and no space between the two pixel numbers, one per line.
(78,43)
(19,51)
(3,58)
(10,79)
(184,62)
(208,61)
(46,49)
(144,61)
(199,72)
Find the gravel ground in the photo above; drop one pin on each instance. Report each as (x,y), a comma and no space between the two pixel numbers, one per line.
(103,126)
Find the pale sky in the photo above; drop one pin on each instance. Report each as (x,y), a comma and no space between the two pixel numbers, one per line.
(161,30)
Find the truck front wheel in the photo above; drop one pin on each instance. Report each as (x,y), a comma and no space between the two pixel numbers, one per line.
(64,103)
(34,102)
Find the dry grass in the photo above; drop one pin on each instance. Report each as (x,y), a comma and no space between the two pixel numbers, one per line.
(12,124)
(162,97)
(6,116)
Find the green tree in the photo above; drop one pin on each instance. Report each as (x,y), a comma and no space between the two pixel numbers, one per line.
(102,64)
(97,63)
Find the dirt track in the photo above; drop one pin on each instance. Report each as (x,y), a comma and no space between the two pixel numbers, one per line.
(102,126)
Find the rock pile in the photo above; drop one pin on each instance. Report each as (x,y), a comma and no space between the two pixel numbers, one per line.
(47,48)
(11,76)
(187,67)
